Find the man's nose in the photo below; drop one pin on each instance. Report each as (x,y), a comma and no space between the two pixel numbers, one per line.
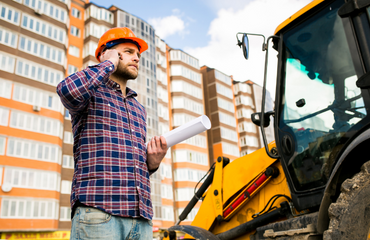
(136,58)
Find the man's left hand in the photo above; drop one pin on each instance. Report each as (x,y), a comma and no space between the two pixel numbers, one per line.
(156,150)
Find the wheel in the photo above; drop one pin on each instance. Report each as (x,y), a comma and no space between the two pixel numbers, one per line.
(350,214)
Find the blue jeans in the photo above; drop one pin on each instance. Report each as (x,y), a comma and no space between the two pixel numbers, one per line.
(91,223)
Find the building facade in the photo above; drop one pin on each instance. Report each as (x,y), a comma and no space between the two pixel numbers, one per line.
(223,139)
(248,99)
(33,46)
(186,102)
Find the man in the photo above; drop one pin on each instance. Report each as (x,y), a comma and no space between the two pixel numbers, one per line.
(111,189)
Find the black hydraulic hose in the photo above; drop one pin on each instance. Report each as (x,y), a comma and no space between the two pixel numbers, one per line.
(253,224)
(196,197)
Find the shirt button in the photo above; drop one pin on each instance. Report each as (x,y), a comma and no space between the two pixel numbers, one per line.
(110,68)
(135,147)
(136,166)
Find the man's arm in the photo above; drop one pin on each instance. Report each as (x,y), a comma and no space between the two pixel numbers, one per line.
(156,150)
(76,90)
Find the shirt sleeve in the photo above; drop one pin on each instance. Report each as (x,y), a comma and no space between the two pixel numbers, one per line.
(76,90)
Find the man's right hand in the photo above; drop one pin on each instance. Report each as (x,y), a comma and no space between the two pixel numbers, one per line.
(111,55)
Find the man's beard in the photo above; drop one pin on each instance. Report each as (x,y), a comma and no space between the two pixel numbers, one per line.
(123,72)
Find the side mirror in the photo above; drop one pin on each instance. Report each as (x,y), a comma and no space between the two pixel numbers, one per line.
(245,46)
(256,118)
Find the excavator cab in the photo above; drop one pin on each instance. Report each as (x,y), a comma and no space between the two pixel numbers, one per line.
(319,107)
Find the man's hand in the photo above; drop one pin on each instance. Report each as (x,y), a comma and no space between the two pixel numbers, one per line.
(157,149)
(111,54)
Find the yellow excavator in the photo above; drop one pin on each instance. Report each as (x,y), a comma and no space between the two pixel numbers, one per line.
(313,181)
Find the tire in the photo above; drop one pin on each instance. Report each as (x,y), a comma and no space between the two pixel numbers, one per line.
(350,214)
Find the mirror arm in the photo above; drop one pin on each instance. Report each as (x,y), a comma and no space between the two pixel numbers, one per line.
(264,101)
(264,46)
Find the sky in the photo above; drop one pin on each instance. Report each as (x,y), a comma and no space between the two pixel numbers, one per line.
(206,29)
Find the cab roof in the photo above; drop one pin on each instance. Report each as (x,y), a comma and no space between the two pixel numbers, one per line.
(296,15)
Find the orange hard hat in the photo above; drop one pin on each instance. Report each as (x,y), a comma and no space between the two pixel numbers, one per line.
(116,34)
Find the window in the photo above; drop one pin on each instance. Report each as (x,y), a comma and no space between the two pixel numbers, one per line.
(68,161)
(165,170)
(242,87)
(35,96)
(244,113)
(192,175)
(5,88)
(181,102)
(223,77)
(179,70)
(229,134)
(180,86)
(75,31)
(32,179)
(66,187)
(8,38)
(74,51)
(244,100)
(166,191)
(2,145)
(9,14)
(33,150)
(38,72)
(7,62)
(226,105)
(181,118)
(68,138)
(72,69)
(94,30)
(227,119)
(250,141)
(197,140)
(43,28)
(29,208)
(76,13)
(4,116)
(35,123)
(100,14)
(190,156)
(65,214)
(231,149)
(227,92)
(247,127)
(181,56)
(167,213)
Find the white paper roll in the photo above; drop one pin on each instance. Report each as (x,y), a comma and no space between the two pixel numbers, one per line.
(187,130)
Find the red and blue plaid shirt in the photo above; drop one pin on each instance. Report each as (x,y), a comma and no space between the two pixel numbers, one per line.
(109,148)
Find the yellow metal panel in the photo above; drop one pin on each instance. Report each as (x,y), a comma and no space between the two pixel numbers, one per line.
(257,203)
(217,186)
(236,175)
(297,15)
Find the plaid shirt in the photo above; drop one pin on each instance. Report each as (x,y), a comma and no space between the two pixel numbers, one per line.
(109,148)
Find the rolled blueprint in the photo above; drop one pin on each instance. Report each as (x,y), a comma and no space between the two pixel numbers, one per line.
(187,130)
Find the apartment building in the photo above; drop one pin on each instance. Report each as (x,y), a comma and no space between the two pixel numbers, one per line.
(219,101)
(33,46)
(248,99)
(190,158)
